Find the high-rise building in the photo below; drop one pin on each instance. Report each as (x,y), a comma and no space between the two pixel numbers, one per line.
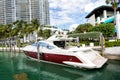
(12,10)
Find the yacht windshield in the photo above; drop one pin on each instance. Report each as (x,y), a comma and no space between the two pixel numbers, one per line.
(43,44)
(35,44)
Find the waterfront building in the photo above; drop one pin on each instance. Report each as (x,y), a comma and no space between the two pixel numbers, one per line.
(12,10)
(104,14)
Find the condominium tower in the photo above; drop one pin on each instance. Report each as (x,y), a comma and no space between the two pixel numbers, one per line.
(12,10)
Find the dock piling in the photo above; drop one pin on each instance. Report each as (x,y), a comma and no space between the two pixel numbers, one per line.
(38,53)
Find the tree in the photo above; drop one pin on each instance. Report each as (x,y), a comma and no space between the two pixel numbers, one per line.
(114,4)
(9,33)
(106,29)
(40,33)
(9,30)
(2,31)
(46,33)
(19,24)
(83,28)
(35,24)
(3,34)
(28,29)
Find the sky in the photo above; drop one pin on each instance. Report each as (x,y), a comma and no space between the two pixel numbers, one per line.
(67,13)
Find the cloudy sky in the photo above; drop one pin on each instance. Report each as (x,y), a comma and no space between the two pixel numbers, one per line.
(66,13)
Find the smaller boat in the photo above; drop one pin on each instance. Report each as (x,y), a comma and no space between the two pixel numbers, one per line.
(54,50)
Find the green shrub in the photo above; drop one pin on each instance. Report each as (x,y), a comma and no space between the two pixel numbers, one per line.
(84,36)
(112,44)
(87,43)
(106,29)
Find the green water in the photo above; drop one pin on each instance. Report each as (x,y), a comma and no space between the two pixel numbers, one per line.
(23,68)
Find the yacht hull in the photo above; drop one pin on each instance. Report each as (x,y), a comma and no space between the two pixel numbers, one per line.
(56,58)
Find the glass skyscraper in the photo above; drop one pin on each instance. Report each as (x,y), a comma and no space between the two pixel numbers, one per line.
(12,10)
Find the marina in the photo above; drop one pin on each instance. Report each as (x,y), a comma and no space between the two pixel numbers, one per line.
(49,40)
(22,67)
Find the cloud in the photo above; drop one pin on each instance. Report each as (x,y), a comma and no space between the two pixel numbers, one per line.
(63,12)
(89,7)
(73,27)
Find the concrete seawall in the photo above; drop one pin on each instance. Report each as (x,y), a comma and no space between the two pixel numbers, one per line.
(14,49)
(112,53)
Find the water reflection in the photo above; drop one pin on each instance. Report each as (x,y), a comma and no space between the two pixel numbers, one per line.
(22,67)
(112,71)
(55,72)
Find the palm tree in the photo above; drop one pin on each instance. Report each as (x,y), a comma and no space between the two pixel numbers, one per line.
(114,4)
(28,30)
(23,29)
(2,34)
(40,33)
(8,31)
(1,31)
(35,24)
(19,25)
(9,34)
(46,33)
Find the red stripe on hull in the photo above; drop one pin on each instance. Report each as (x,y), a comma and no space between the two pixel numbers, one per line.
(57,58)
(31,54)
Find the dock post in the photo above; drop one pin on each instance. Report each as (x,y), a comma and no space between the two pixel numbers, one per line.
(3,47)
(19,47)
(38,52)
(103,49)
(11,50)
(11,54)
(102,43)
(78,44)
(14,47)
